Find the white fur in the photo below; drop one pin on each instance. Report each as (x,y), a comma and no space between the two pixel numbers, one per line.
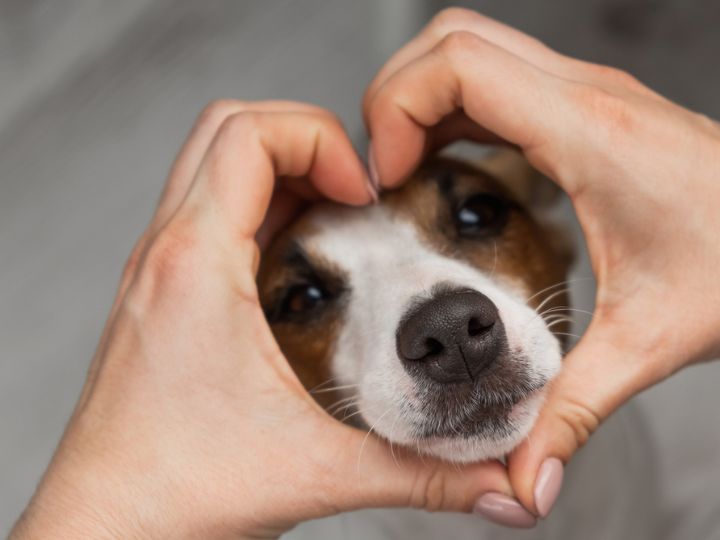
(389,267)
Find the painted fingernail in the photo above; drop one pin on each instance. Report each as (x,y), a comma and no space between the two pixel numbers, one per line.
(372,169)
(504,510)
(373,192)
(547,485)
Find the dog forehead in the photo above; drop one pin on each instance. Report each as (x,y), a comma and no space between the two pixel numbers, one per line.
(356,238)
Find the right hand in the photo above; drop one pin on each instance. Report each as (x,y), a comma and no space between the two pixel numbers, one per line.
(192,424)
(644,177)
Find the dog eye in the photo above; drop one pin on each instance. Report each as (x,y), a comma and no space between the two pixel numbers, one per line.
(481,215)
(303,299)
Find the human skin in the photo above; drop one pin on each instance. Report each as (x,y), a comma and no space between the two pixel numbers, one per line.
(643,175)
(191,423)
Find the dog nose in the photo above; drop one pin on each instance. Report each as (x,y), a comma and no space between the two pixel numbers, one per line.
(452,337)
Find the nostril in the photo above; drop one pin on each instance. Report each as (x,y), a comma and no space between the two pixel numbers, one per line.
(433,346)
(476,327)
(451,337)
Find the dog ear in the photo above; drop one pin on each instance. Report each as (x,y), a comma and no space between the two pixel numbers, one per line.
(529,187)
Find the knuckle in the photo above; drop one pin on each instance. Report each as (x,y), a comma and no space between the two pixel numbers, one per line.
(217,111)
(430,492)
(581,420)
(607,111)
(172,260)
(708,123)
(324,119)
(331,118)
(451,17)
(133,261)
(459,42)
(237,125)
(614,75)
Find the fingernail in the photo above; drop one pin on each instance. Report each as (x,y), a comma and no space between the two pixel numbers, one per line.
(504,510)
(547,485)
(372,169)
(373,192)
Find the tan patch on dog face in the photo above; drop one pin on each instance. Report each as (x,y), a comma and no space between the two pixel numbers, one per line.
(517,251)
(306,336)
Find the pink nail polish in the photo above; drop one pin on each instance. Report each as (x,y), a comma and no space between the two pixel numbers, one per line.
(373,193)
(547,485)
(504,510)
(372,169)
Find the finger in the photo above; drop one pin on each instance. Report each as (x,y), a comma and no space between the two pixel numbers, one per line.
(237,175)
(284,207)
(453,20)
(457,126)
(501,92)
(198,142)
(597,377)
(522,45)
(371,474)
(186,165)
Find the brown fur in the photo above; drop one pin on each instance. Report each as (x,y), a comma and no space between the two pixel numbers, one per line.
(308,346)
(522,254)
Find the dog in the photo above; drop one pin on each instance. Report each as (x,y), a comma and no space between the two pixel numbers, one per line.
(420,313)
(435,318)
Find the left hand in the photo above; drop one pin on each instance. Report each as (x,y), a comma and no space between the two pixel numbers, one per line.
(649,215)
(191,422)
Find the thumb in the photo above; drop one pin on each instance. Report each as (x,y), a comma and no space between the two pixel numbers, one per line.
(597,377)
(378,475)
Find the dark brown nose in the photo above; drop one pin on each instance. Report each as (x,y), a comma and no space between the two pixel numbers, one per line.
(452,337)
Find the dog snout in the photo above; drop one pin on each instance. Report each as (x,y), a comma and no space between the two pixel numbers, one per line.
(451,338)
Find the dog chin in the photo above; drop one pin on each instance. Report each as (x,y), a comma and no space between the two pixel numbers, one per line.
(473,448)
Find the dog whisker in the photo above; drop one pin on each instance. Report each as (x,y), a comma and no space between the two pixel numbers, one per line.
(393,304)
(557,310)
(542,314)
(334,388)
(557,316)
(345,418)
(546,289)
(392,430)
(345,406)
(566,334)
(341,405)
(551,297)
(557,320)
(565,308)
(558,284)
(367,435)
(317,387)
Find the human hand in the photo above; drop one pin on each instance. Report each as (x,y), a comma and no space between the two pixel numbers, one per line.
(191,423)
(644,177)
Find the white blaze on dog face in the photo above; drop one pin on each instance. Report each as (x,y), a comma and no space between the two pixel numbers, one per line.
(417,308)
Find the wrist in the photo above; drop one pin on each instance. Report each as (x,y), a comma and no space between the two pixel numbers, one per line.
(53,514)
(83,497)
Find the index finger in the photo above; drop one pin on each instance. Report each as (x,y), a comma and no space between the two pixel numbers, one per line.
(503,93)
(236,178)
(204,131)
(455,19)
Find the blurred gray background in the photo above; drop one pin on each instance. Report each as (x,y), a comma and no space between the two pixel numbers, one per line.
(97,95)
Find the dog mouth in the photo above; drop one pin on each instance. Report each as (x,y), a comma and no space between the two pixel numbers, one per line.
(487,409)
(481,420)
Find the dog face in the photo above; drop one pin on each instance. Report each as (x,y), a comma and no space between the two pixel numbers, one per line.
(417,317)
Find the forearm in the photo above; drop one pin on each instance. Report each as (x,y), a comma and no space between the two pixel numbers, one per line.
(87,499)
(60,510)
